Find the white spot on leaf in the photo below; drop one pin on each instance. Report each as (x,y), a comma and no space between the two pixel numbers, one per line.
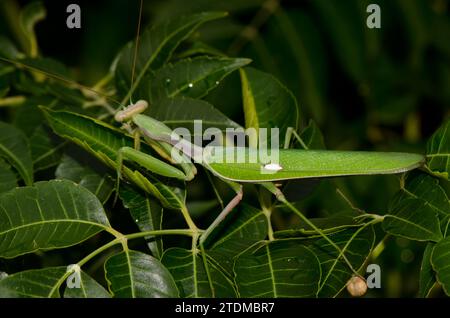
(273,167)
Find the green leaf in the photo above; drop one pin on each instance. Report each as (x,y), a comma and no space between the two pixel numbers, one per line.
(156,46)
(8,179)
(267,102)
(421,186)
(312,136)
(183,111)
(200,48)
(29,17)
(147,214)
(96,181)
(46,148)
(15,148)
(191,276)
(438,151)
(191,77)
(89,288)
(49,215)
(133,274)
(104,142)
(36,283)
(241,229)
(8,49)
(357,245)
(440,259)
(54,67)
(427,277)
(413,219)
(277,269)
(333,223)
(424,187)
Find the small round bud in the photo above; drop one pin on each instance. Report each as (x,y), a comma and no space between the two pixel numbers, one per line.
(357,286)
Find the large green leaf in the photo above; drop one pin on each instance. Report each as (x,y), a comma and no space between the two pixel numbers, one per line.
(15,148)
(331,224)
(438,151)
(147,214)
(104,142)
(413,219)
(183,111)
(357,245)
(191,77)
(88,288)
(46,147)
(277,269)
(51,214)
(267,102)
(36,283)
(424,187)
(427,277)
(193,279)
(133,274)
(156,46)
(96,181)
(8,179)
(440,259)
(241,229)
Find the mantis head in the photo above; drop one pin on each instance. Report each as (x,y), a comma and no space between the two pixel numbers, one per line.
(130,111)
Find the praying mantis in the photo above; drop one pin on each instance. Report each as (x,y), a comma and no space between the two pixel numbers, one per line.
(292,163)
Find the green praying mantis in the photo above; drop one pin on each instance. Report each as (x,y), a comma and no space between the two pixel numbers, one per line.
(292,163)
(177,153)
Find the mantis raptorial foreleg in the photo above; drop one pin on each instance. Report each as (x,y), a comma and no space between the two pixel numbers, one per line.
(146,161)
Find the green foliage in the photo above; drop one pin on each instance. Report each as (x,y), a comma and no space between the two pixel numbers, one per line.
(60,145)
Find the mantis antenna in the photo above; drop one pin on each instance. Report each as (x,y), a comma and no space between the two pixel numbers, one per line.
(60,78)
(136,48)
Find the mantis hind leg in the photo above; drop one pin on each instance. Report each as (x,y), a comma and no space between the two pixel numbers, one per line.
(226,210)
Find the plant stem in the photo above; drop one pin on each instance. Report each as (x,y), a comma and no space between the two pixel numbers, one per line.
(98,251)
(120,238)
(188,219)
(162,232)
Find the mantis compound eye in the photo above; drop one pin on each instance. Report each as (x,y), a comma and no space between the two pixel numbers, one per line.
(357,286)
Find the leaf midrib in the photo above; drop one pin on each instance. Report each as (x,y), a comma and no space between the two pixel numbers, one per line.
(16,228)
(23,169)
